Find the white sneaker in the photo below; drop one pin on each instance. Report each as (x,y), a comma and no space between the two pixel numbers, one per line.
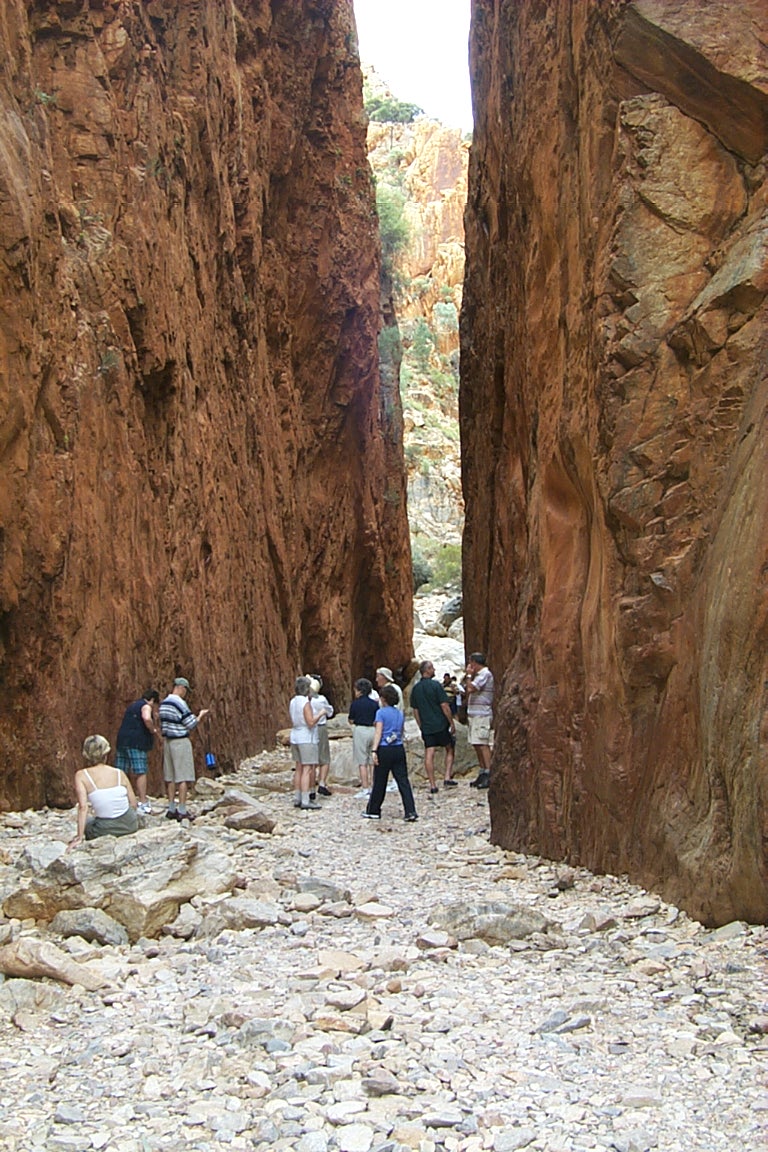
(145,809)
(392,786)
(362,794)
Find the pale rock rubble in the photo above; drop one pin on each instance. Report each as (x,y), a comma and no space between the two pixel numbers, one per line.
(337,985)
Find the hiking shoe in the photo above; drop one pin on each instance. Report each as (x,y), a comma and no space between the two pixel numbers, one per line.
(312,797)
(434,791)
(371,816)
(410,817)
(184,816)
(450,783)
(481,780)
(313,806)
(170,814)
(323,791)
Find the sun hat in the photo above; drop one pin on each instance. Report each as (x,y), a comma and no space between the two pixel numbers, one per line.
(386,673)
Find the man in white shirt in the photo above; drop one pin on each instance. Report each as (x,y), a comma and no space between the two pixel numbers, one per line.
(384,676)
(479,687)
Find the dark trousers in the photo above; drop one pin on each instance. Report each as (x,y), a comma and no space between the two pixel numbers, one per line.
(391,758)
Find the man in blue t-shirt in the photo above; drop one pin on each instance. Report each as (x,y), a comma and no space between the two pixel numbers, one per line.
(432,711)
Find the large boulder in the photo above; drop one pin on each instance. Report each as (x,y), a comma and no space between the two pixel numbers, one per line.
(90,924)
(34,959)
(493,921)
(451,611)
(140,881)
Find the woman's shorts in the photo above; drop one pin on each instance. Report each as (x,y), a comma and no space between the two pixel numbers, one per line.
(178,761)
(132,760)
(304,753)
(479,730)
(323,745)
(362,743)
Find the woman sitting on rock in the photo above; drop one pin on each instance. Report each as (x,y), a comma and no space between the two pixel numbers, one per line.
(109,792)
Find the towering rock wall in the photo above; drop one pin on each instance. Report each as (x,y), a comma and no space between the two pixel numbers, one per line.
(199,469)
(613,410)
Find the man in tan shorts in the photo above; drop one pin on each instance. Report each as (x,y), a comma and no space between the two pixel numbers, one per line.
(479,687)
(177,720)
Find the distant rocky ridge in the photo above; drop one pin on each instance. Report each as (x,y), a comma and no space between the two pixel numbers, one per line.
(426,163)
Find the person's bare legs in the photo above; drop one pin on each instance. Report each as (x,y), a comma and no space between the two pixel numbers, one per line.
(308,784)
(429,766)
(322,780)
(365,776)
(450,756)
(140,780)
(483,753)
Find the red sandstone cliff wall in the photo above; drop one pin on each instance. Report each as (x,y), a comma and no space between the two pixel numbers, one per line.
(613,408)
(199,469)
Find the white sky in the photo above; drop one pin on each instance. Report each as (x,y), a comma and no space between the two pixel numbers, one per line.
(419,48)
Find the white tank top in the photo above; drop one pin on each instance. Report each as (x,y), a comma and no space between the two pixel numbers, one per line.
(108,803)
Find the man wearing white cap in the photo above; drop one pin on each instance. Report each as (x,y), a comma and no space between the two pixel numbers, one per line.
(176,722)
(384,676)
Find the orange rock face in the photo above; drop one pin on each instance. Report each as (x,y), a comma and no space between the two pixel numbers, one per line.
(200,471)
(615,441)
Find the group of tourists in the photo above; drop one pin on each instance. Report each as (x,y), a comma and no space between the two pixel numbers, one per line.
(377,717)
(109,791)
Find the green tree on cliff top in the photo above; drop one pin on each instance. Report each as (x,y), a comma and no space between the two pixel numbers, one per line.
(393,226)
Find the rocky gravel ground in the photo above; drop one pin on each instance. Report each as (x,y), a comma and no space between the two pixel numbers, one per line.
(405,987)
